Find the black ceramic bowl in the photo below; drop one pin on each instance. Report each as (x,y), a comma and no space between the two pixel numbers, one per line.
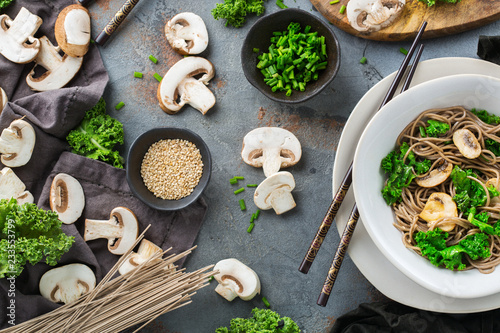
(136,155)
(259,37)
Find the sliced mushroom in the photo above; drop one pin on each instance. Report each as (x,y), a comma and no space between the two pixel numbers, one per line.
(373,15)
(13,187)
(67,283)
(438,206)
(60,69)
(72,30)
(121,230)
(16,143)
(494,182)
(236,279)
(187,33)
(3,99)
(16,37)
(67,198)
(276,192)
(146,250)
(467,143)
(436,176)
(271,148)
(175,90)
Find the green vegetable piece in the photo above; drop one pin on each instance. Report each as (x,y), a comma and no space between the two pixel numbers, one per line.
(158,77)
(262,321)
(266,303)
(37,233)
(436,128)
(430,3)
(241,189)
(138,75)
(153,59)
(242,204)
(280,4)
(342,9)
(363,60)
(487,117)
(334,2)
(468,193)
(252,185)
(256,49)
(403,50)
(257,213)
(233,181)
(235,11)
(239,177)
(481,221)
(5,3)
(250,227)
(119,106)
(97,136)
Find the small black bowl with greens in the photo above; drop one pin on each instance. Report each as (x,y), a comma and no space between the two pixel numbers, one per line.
(290,55)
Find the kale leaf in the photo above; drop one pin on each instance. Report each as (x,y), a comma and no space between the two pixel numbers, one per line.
(235,11)
(436,128)
(433,2)
(263,320)
(468,193)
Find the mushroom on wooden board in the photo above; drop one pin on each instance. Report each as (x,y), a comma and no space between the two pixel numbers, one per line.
(373,15)
(67,283)
(72,30)
(59,69)
(439,205)
(16,36)
(13,187)
(3,99)
(121,230)
(276,192)
(16,143)
(271,148)
(67,198)
(146,250)
(467,143)
(187,33)
(236,280)
(178,86)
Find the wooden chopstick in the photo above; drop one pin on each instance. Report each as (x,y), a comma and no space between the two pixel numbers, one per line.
(346,182)
(354,216)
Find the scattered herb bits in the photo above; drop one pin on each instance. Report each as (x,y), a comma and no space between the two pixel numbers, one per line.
(241,189)
(138,75)
(242,204)
(158,77)
(250,227)
(334,2)
(266,302)
(363,60)
(153,59)
(119,106)
(280,4)
(295,58)
(252,185)
(342,9)
(403,50)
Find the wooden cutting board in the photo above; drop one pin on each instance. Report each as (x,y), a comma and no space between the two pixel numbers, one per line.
(442,19)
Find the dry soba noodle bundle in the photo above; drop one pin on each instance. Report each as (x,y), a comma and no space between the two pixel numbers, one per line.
(459,192)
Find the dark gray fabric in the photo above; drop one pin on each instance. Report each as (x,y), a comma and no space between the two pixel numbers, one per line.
(53,114)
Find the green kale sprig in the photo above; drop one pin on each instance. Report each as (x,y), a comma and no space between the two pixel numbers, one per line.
(434,129)
(490,119)
(29,234)
(97,136)
(235,11)
(5,3)
(263,320)
(433,2)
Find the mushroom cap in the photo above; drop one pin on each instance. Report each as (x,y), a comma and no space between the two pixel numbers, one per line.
(187,33)
(67,198)
(373,15)
(16,36)
(67,283)
(439,205)
(146,250)
(60,69)
(436,176)
(168,89)
(275,192)
(236,279)
(271,148)
(16,143)
(13,187)
(72,30)
(3,99)
(467,143)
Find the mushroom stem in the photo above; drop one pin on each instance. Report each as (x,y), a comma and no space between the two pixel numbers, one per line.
(95,229)
(282,200)
(271,163)
(226,288)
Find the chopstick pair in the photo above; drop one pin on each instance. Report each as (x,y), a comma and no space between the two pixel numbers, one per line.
(345,184)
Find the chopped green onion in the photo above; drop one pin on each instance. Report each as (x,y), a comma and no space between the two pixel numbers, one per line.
(334,2)
(403,50)
(280,4)
(256,49)
(342,10)
(239,177)
(252,185)
(422,131)
(252,218)
(266,303)
(210,278)
(241,189)
(242,204)
(119,105)
(92,41)
(153,59)
(250,227)
(233,181)
(363,60)
(158,77)
(138,75)
(257,213)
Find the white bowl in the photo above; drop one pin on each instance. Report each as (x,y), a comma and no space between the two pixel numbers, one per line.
(378,139)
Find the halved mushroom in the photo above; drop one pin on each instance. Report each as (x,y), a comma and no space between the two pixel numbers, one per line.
(67,198)
(178,88)
(3,99)
(271,148)
(438,206)
(67,283)
(13,187)
(187,33)
(236,279)
(494,182)
(121,230)
(16,143)
(276,192)
(146,250)
(373,15)
(467,143)
(16,37)
(72,30)
(436,176)
(60,69)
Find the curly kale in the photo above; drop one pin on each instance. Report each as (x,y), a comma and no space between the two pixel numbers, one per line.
(235,11)
(469,193)
(433,2)
(263,320)
(29,234)
(97,135)
(5,3)
(490,119)
(434,129)
(432,244)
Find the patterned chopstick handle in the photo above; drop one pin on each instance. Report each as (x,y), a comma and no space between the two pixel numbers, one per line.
(116,21)
(327,222)
(339,257)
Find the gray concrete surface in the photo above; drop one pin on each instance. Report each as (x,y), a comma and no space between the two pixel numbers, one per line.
(277,245)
